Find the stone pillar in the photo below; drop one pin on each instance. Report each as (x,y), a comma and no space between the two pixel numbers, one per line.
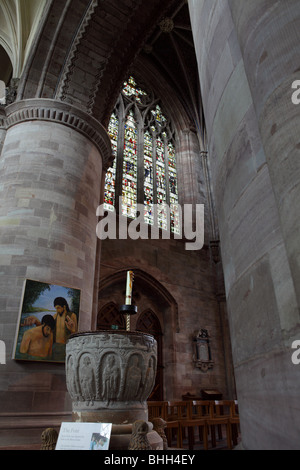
(50,183)
(268,33)
(2,127)
(260,288)
(192,183)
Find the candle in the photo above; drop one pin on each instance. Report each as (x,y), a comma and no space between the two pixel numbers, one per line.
(129,288)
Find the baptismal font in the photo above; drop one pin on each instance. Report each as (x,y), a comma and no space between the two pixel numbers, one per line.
(110,375)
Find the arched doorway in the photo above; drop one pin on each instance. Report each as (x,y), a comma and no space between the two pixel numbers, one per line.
(157,315)
(6,70)
(148,322)
(110,318)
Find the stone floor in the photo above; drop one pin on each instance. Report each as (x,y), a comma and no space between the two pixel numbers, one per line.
(221,444)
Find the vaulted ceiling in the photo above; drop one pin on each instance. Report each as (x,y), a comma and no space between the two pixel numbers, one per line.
(170,50)
(85,49)
(18,24)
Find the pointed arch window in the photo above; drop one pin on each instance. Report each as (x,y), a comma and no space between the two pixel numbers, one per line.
(129,182)
(144,169)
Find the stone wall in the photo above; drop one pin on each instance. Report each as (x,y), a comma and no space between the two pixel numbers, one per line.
(50,171)
(246,56)
(189,304)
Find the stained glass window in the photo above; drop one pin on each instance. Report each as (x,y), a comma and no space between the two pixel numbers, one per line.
(129,189)
(148,178)
(144,144)
(161,184)
(131,90)
(110,180)
(174,206)
(158,116)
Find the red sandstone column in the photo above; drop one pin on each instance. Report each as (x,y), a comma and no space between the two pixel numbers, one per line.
(2,128)
(269,36)
(192,183)
(50,184)
(247,59)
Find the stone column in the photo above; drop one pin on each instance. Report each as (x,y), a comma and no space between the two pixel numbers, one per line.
(50,183)
(192,183)
(259,277)
(268,33)
(2,127)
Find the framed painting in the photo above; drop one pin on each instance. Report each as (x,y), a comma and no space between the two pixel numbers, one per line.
(49,314)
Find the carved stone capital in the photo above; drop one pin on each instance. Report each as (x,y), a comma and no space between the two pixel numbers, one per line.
(64,114)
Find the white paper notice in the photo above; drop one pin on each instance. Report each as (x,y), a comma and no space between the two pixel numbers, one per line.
(84,436)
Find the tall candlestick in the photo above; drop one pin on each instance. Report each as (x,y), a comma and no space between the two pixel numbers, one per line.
(128,299)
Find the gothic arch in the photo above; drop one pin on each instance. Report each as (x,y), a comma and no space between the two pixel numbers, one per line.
(148,321)
(69,74)
(152,297)
(90,27)
(143,279)
(6,66)
(109,316)
(144,172)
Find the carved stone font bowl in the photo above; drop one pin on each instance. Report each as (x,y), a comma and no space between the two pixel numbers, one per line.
(110,375)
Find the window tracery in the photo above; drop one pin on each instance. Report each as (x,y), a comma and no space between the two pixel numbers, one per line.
(144,170)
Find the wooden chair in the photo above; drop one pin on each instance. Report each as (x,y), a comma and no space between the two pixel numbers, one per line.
(220,416)
(200,408)
(157,409)
(234,421)
(173,430)
(198,413)
(176,411)
(223,408)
